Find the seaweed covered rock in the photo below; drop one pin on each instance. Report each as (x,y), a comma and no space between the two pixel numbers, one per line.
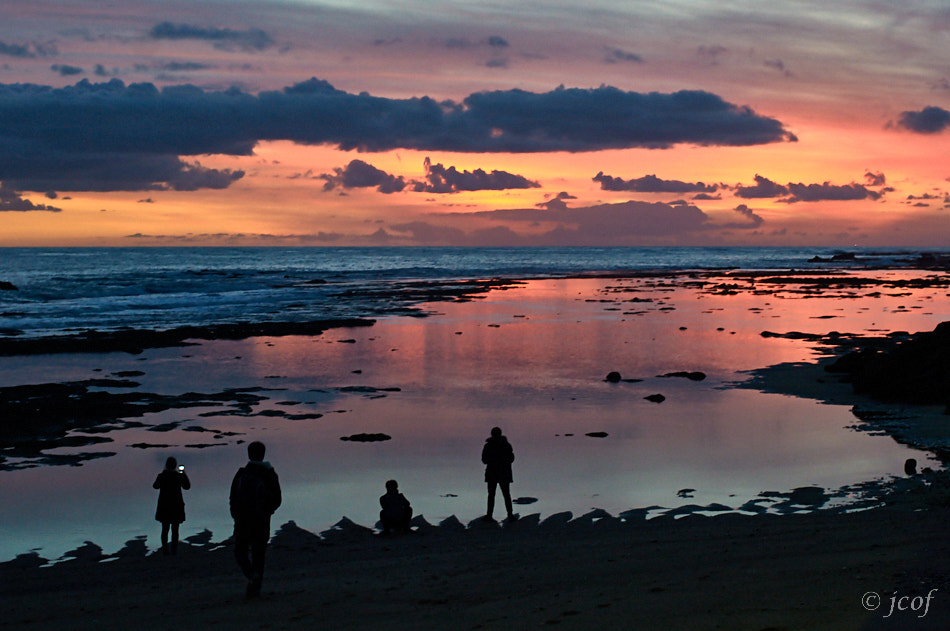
(916,370)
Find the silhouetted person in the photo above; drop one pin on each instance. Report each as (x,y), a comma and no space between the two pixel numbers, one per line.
(910,466)
(171,505)
(396,512)
(498,455)
(255,495)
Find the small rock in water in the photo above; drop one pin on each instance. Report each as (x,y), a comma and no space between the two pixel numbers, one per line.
(692,376)
(366,438)
(685,492)
(597,434)
(613,377)
(655,398)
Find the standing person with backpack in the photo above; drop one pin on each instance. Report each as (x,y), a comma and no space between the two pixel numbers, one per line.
(255,495)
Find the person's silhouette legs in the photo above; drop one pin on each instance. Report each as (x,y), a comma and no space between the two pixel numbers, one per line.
(506,493)
(491,500)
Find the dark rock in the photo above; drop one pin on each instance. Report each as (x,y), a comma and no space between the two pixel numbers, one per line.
(915,370)
(366,438)
(808,496)
(655,398)
(87,552)
(134,341)
(7,286)
(452,523)
(597,434)
(613,377)
(692,376)
(557,520)
(133,548)
(26,561)
(129,373)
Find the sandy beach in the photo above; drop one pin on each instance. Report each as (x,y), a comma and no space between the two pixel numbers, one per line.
(870,556)
(727,572)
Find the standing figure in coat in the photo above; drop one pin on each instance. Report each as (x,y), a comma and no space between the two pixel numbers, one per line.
(497,455)
(255,495)
(171,505)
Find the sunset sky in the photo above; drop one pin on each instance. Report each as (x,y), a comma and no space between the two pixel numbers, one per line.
(555,122)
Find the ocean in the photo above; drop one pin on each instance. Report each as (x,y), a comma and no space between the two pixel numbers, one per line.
(68,290)
(530,357)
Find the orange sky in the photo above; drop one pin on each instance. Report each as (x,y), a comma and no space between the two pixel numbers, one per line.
(846,101)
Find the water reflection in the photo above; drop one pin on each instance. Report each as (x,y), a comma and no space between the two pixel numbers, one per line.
(531,359)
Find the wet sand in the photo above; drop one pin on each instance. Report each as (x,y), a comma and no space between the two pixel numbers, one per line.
(804,570)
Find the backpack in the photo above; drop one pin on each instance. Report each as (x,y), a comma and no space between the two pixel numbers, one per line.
(250,497)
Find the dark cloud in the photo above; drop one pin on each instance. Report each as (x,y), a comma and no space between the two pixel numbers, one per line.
(652,184)
(627,223)
(359,174)
(27,51)
(439,179)
(875,179)
(558,201)
(185,66)
(493,41)
(753,220)
(222,38)
(616,55)
(191,177)
(828,192)
(110,136)
(763,188)
(779,65)
(65,70)
(930,120)
(710,54)
(623,221)
(793,193)
(10,200)
(573,119)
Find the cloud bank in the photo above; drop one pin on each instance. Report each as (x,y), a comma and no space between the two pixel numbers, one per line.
(792,193)
(554,223)
(438,179)
(652,184)
(221,38)
(112,136)
(10,200)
